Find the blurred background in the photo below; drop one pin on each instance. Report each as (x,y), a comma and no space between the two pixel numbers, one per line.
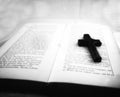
(14,13)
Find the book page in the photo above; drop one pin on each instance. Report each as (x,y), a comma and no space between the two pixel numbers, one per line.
(31,52)
(117,38)
(75,65)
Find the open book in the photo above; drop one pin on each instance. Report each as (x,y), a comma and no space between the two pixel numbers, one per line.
(48,52)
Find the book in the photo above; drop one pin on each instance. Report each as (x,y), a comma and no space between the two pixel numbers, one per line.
(48,52)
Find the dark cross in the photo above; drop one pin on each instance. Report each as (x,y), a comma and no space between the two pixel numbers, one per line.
(91,44)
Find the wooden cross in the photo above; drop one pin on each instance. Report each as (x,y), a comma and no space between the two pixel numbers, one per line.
(91,44)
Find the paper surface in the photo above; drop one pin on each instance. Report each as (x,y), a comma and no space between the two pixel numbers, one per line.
(117,38)
(31,52)
(74,64)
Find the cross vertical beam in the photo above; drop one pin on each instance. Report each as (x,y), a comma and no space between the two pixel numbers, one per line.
(91,44)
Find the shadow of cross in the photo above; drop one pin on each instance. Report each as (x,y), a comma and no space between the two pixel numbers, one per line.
(91,44)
